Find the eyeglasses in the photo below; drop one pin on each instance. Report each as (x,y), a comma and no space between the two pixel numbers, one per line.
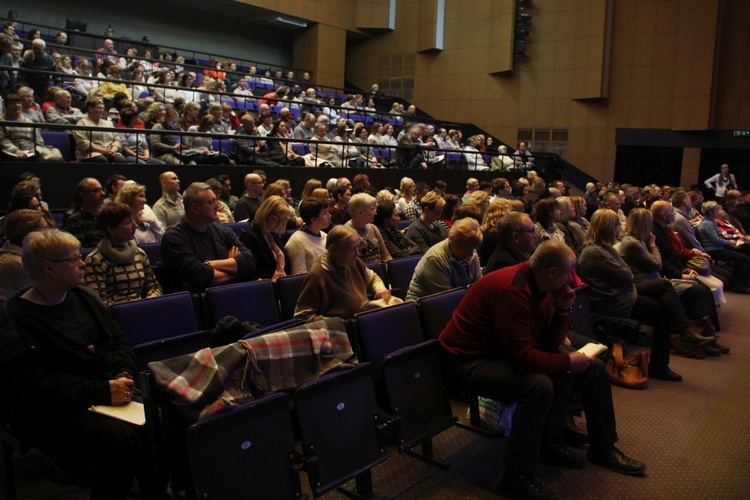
(72,260)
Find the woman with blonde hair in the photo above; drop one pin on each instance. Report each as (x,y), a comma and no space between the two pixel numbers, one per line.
(613,292)
(86,361)
(406,192)
(263,238)
(687,299)
(498,208)
(481,200)
(338,285)
(310,186)
(148,227)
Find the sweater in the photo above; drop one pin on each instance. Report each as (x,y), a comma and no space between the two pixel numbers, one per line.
(120,274)
(439,270)
(304,250)
(331,292)
(505,315)
(609,278)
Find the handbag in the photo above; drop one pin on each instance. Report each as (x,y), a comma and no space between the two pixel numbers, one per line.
(628,370)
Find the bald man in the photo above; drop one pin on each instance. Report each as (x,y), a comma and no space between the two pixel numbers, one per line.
(38,59)
(169,209)
(251,199)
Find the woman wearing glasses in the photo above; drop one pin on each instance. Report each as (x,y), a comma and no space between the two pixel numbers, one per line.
(263,238)
(60,353)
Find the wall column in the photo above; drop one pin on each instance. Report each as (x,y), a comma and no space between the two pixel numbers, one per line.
(691,162)
(322,48)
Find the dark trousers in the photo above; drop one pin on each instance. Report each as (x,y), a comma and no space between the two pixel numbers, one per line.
(653,298)
(741,263)
(542,402)
(101,449)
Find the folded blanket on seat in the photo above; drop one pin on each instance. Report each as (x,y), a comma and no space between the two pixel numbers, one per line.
(213,380)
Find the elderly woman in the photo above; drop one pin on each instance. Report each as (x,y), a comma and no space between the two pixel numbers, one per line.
(449,264)
(101,146)
(362,211)
(83,86)
(692,300)
(118,270)
(22,143)
(429,229)
(720,248)
(148,227)
(16,225)
(613,292)
(263,238)
(60,353)
(338,285)
(386,220)
(167,147)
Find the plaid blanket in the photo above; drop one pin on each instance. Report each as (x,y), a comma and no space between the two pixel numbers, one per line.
(285,360)
(213,380)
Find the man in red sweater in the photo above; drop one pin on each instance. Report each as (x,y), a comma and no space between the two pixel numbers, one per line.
(508,340)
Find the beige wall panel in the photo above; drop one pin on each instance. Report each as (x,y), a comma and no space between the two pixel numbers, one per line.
(691,158)
(372,14)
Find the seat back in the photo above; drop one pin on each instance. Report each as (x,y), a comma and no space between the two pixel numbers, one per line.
(378,268)
(251,301)
(435,310)
(580,316)
(238,227)
(61,141)
(403,224)
(414,384)
(400,272)
(255,442)
(157,318)
(288,289)
(386,330)
(159,350)
(337,414)
(153,252)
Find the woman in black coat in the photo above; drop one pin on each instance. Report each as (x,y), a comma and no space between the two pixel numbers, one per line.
(263,238)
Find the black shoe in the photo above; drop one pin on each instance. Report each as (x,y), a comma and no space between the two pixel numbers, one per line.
(572,435)
(556,453)
(688,350)
(723,348)
(615,460)
(665,374)
(712,350)
(528,487)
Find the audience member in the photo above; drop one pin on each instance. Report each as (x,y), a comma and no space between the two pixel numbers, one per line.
(97,146)
(49,361)
(39,60)
(224,213)
(307,245)
(251,199)
(198,253)
(449,264)
(491,237)
(63,112)
(29,108)
(386,220)
(372,247)
(613,292)
(80,221)
(169,209)
(16,225)
(723,249)
(148,227)
(339,283)
(263,239)
(22,143)
(428,229)
(118,270)
(509,341)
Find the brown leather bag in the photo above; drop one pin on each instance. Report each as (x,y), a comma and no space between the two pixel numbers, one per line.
(628,370)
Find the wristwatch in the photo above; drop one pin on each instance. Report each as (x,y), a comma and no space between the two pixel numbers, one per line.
(207,262)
